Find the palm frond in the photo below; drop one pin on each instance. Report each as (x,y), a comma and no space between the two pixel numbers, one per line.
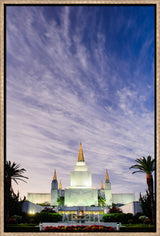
(136,171)
(15,179)
(14,172)
(146,165)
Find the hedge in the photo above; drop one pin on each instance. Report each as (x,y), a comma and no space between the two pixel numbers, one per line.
(47,217)
(118,217)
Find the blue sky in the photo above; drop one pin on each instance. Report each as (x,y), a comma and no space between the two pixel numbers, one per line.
(80,74)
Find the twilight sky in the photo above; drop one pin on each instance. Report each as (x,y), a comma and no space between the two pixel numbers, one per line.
(80,74)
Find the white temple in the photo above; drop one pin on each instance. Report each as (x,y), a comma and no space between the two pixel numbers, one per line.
(81,192)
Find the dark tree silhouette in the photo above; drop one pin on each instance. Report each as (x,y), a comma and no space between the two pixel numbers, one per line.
(12,171)
(146,204)
(147,166)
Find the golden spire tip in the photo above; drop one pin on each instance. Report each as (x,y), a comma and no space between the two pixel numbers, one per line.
(55,175)
(107,176)
(102,185)
(60,185)
(80,154)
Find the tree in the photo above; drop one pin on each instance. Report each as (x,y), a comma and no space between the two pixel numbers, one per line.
(49,210)
(15,204)
(115,209)
(146,204)
(60,201)
(12,171)
(101,201)
(147,166)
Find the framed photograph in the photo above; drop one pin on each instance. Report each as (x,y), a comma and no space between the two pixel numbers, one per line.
(80,116)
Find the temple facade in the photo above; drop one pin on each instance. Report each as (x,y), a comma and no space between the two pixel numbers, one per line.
(81,192)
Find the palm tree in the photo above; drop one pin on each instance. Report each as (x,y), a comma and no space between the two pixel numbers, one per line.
(13,172)
(147,166)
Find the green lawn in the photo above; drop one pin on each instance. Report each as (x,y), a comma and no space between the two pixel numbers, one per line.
(21,228)
(137,228)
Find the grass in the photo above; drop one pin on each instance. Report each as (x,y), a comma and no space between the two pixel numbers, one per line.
(21,228)
(137,228)
(138,225)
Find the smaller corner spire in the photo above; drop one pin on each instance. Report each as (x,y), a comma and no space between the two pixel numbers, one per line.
(107,177)
(60,185)
(102,187)
(55,175)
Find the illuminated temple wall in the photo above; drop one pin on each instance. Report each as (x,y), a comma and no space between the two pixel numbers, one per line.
(123,198)
(81,177)
(81,197)
(108,197)
(39,197)
(54,197)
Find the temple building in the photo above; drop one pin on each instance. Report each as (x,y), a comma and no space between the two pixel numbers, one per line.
(81,193)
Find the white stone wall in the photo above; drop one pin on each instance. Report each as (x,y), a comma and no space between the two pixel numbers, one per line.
(31,208)
(81,179)
(132,207)
(39,197)
(54,197)
(81,197)
(123,198)
(107,186)
(137,207)
(108,197)
(80,166)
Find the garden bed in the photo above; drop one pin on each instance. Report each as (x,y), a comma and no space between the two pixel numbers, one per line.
(79,228)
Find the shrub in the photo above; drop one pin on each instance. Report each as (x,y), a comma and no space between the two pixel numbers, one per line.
(147,221)
(130,221)
(146,204)
(115,209)
(47,209)
(44,204)
(118,217)
(144,219)
(136,217)
(47,217)
(108,217)
(17,217)
(12,221)
(41,217)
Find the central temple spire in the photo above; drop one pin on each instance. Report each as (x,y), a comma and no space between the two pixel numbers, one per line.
(80,154)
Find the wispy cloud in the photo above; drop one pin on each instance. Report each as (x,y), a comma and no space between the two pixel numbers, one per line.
(63,87)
